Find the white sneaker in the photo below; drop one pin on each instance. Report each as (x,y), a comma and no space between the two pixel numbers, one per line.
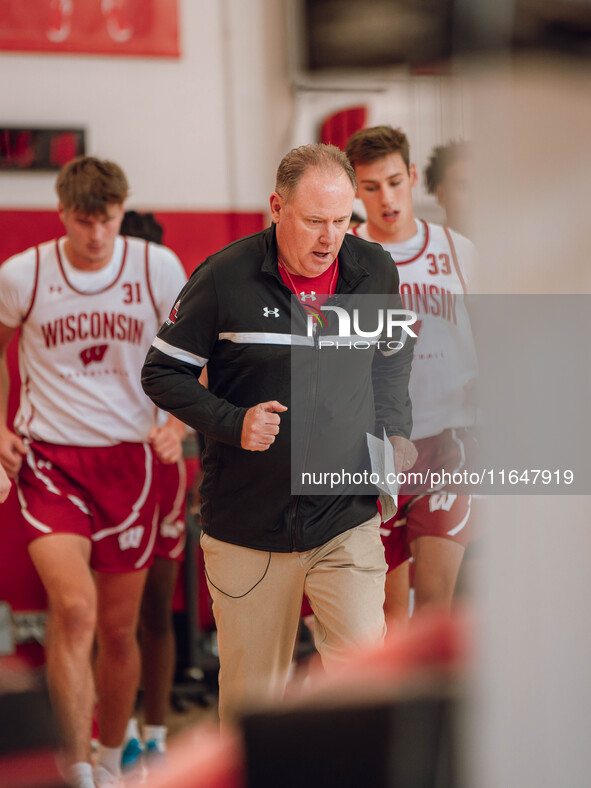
(155,756)
(104,779)
(85,782)
(132,754)
(155,747)
(78,775)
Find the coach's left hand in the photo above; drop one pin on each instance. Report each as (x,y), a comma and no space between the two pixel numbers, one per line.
(405,453)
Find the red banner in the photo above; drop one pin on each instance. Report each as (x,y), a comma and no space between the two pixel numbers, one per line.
(106,27)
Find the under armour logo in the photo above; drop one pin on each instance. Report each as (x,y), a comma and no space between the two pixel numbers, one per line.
(44,465)
(271,312)
(55,289)
(93,353)
(311,296)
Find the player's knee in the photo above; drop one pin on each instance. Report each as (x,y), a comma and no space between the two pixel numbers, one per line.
(437,594)
(117,639)
(74,617)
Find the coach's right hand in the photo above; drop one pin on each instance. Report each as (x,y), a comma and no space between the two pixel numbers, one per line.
(261,424)
(12,451)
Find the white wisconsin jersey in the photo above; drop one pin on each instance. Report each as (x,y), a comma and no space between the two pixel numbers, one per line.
(433,267)
(84,337)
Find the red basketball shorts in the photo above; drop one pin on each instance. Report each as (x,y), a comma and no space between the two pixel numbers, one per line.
(171,482)
(106,494)
(423,512)
(396,546)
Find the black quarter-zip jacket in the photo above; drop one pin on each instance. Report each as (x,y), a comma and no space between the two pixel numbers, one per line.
(236,315)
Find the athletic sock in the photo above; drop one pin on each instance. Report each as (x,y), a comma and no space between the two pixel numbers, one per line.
(155,733)
(79,775)
(110,759)
(132,731)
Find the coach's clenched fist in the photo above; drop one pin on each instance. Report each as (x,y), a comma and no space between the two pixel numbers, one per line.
(261,424)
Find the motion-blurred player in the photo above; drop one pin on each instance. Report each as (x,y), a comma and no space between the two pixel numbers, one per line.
(157,637)
(448,176)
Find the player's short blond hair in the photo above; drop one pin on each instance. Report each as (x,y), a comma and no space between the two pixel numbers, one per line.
(368,145)
(89,185)
(295,163)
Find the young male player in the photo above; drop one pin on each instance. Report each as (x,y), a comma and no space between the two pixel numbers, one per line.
(88,305)
(432,263)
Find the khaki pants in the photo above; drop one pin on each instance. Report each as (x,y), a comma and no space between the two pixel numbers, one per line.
(257,599)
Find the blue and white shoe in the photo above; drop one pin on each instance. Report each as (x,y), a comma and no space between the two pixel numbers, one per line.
(132,755)
(155,754)
(155,747)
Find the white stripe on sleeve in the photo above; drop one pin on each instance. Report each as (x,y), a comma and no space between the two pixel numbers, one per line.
(178,354)
(265,338)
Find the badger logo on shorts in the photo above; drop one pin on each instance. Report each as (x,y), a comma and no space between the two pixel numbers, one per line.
(131,539)
(173,314)
(172,530)
(441,501)
(93,353)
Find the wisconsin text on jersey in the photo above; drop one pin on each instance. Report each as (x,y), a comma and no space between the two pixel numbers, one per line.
(429,300)
(93,325)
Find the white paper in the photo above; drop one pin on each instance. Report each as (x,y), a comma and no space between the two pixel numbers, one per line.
(381,455)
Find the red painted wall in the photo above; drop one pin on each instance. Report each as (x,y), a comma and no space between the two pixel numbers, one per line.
(192,235)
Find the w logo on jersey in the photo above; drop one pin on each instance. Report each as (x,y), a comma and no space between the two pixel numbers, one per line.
(173,314)
(131,538)
(93,353)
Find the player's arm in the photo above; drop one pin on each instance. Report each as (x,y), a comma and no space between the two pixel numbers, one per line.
(12,448)
(167,440)
(4,485)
